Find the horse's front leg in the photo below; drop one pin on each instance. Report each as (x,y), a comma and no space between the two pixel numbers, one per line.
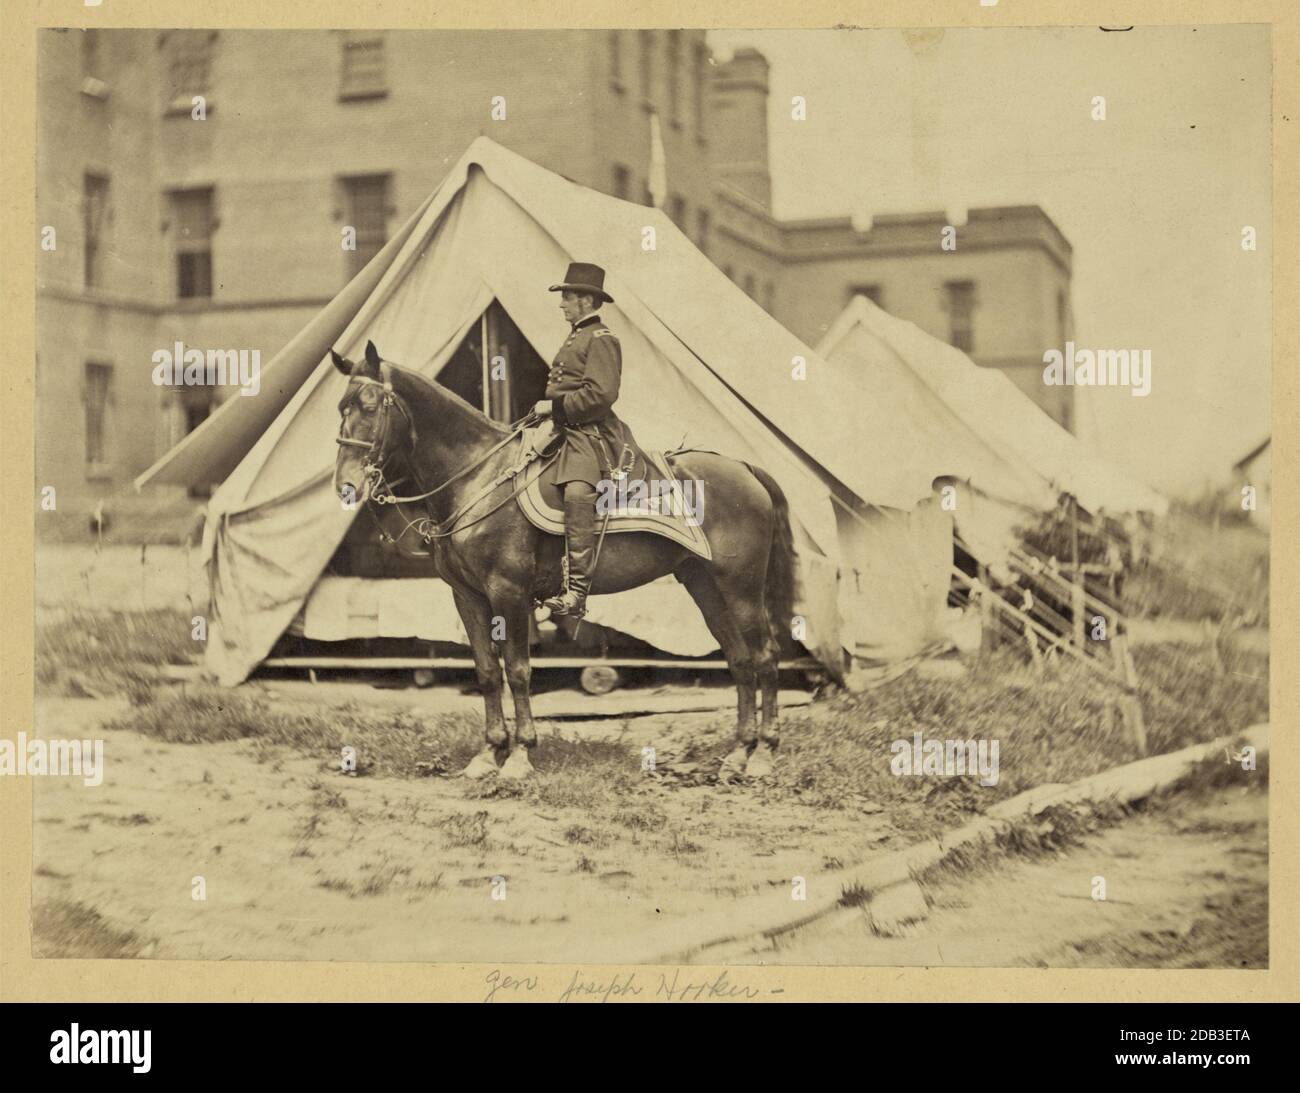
(476,614)
(513,614)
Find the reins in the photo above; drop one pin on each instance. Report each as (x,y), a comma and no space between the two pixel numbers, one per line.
(428,528)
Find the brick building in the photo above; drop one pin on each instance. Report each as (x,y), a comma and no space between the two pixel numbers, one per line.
(195,186)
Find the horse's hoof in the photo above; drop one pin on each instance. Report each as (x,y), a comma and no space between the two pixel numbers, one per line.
(518,766)
(733,766)
(483,765)
(760,764)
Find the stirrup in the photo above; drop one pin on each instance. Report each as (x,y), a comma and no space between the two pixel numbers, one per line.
(569,603)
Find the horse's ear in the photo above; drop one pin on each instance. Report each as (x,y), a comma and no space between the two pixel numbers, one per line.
(340,363)
(372,356)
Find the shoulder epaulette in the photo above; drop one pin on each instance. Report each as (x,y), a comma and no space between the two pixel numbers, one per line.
(603,332)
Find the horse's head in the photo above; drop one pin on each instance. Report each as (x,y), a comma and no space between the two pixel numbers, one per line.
(376,425)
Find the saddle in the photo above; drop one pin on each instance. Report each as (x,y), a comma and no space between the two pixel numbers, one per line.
(643,494)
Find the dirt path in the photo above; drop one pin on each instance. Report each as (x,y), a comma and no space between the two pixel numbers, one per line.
(1186,887)
(301,862)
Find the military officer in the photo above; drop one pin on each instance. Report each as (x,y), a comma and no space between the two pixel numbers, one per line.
(580,392)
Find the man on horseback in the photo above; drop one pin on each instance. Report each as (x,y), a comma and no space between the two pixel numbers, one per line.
(580,392)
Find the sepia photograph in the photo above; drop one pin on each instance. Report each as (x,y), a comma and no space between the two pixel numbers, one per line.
(652,497)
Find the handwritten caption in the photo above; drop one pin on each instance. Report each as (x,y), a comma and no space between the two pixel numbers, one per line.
(659,986)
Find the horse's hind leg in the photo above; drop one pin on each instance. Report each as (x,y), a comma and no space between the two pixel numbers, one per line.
(745,604)
(702,586)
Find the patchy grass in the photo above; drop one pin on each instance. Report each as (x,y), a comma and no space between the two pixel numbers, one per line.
(68,930)
(1056,728)
(585,836)
(372,879)
(1230,932)
(1215,773)
(1187,701)
(464,829)
(85,653)
(595,776)
(136,819)
(394,743)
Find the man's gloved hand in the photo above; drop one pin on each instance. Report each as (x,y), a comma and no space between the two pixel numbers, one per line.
(543,408)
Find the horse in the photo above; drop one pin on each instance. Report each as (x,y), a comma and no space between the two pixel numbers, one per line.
(397,427)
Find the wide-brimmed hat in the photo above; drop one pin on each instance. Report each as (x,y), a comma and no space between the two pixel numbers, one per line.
(584,277)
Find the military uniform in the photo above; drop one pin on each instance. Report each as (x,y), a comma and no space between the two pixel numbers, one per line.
(582,385)
(581,388)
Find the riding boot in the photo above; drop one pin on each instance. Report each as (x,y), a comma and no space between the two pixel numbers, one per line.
(580,551)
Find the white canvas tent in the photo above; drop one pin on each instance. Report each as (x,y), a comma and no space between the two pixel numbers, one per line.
(697,352)
(1008,444)
(1011,457)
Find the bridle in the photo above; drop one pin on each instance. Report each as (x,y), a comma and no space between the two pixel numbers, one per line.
(381,492)
(375,447)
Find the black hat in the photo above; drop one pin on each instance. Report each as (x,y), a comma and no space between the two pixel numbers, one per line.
(584,277)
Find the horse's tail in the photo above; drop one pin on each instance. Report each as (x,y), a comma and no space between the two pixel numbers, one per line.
(778,594)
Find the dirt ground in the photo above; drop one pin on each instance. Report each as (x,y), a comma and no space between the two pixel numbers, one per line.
(1186,887)
(299,861)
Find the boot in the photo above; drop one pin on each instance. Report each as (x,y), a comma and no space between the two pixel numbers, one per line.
(580,550)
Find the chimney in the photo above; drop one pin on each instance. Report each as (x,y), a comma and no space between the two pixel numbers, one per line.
(738,124)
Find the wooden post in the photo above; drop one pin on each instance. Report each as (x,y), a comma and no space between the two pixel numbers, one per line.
(1074,532)
(1077,610)
(988,621)
(1131,708)
(1032,639)
(1212,634)
(485,364)
(496,392)
(1130,705)
(1124,661)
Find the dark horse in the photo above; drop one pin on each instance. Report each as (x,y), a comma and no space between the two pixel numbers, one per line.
(399,428)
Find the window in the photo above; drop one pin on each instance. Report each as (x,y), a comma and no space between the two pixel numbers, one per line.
(94,217)
(698,70)
(192,218)
(189,67)
(672,73)
(98,388)
(367,212)
(196,405)
(702,230)
(622,181)
(647,42)
(363,75)
(615,60)
(874,293)
(677,210)
(961,314)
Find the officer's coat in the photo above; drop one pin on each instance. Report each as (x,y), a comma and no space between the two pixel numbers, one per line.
(583,385)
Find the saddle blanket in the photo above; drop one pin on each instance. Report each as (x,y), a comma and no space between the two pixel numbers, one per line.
(648,498)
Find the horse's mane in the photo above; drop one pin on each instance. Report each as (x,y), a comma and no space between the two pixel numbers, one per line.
(437,391)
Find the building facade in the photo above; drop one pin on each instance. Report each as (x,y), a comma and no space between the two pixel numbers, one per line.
(1001,294)
(199,186)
